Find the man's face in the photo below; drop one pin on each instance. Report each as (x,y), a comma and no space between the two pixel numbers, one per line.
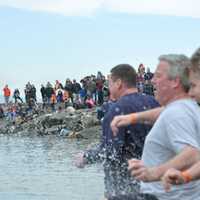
(194,91)
(162,83)
(113,85)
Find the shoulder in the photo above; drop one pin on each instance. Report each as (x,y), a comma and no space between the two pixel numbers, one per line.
(181,114)
(135,102)
(135,96)
(139,99)
(182,108)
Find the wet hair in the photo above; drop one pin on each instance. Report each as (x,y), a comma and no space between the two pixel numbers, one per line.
(179,68)
(195,60)
(126,73)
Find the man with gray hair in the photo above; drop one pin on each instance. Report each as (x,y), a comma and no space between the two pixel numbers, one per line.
(174,140)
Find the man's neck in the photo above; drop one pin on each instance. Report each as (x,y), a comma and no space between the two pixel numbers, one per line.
(128,91)
(178,97)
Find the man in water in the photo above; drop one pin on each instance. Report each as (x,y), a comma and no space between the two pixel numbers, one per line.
(114,152)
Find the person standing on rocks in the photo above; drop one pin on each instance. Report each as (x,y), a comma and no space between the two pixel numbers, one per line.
(16,96)
(6,93)
(2,115)
(76,87)
(49,91)
(114,152)
(44,96)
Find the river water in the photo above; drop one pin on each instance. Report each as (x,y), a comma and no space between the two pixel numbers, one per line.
(41,168)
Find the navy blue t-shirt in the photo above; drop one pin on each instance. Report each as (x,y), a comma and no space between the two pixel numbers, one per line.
(129,142)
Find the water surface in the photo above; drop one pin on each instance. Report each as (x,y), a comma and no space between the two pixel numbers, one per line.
(41,168)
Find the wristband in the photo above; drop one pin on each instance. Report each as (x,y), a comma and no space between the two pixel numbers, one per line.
(133,119)
(186,176)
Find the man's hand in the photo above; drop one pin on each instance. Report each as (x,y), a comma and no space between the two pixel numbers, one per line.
(80,161)
(140,172)
(122,120)
(172,177)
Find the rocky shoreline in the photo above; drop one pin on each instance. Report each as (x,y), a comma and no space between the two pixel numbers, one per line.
(68,123)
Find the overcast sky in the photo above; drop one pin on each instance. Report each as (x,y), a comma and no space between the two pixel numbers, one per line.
(47,40)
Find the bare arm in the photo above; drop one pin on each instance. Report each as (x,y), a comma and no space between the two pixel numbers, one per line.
(149,116)
(188,157)
(182,161)
(194,171)
(176,177)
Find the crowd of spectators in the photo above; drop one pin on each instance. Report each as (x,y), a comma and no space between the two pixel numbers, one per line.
(91,91)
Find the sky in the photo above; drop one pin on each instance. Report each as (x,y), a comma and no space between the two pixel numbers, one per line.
(52,40)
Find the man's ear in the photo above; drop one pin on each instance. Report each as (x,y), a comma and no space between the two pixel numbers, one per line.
(176,82)
(119,83)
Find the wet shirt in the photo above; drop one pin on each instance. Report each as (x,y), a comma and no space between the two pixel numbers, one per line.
(115,151)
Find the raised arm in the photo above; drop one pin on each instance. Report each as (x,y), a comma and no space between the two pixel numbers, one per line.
(148,116)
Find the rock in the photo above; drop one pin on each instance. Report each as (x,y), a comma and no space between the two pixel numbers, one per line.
(75,135)
(69,123)
(64,132)
(70,110)
(91,133)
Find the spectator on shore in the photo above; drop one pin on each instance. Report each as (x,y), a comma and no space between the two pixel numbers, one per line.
(33,92)
(76,87)
(44,96)
(16,96)
(148,88)
(58,85)
(30,96)
(83,94)
(106,93)
(11,114)
(27,92)
(78,103)
(49,92)
(66,99)
(91,89)
(99,75)
(53,102)
(59,95)
(89,102)
(2,115)
(69,87)
(148,75)
(31,105)
(99,88)
(140,78)
(6,94)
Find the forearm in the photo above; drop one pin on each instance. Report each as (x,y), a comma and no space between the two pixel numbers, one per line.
(188,157)
(149,116)
(194,171)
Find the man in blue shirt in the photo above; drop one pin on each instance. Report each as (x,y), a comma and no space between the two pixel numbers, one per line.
(115,151)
